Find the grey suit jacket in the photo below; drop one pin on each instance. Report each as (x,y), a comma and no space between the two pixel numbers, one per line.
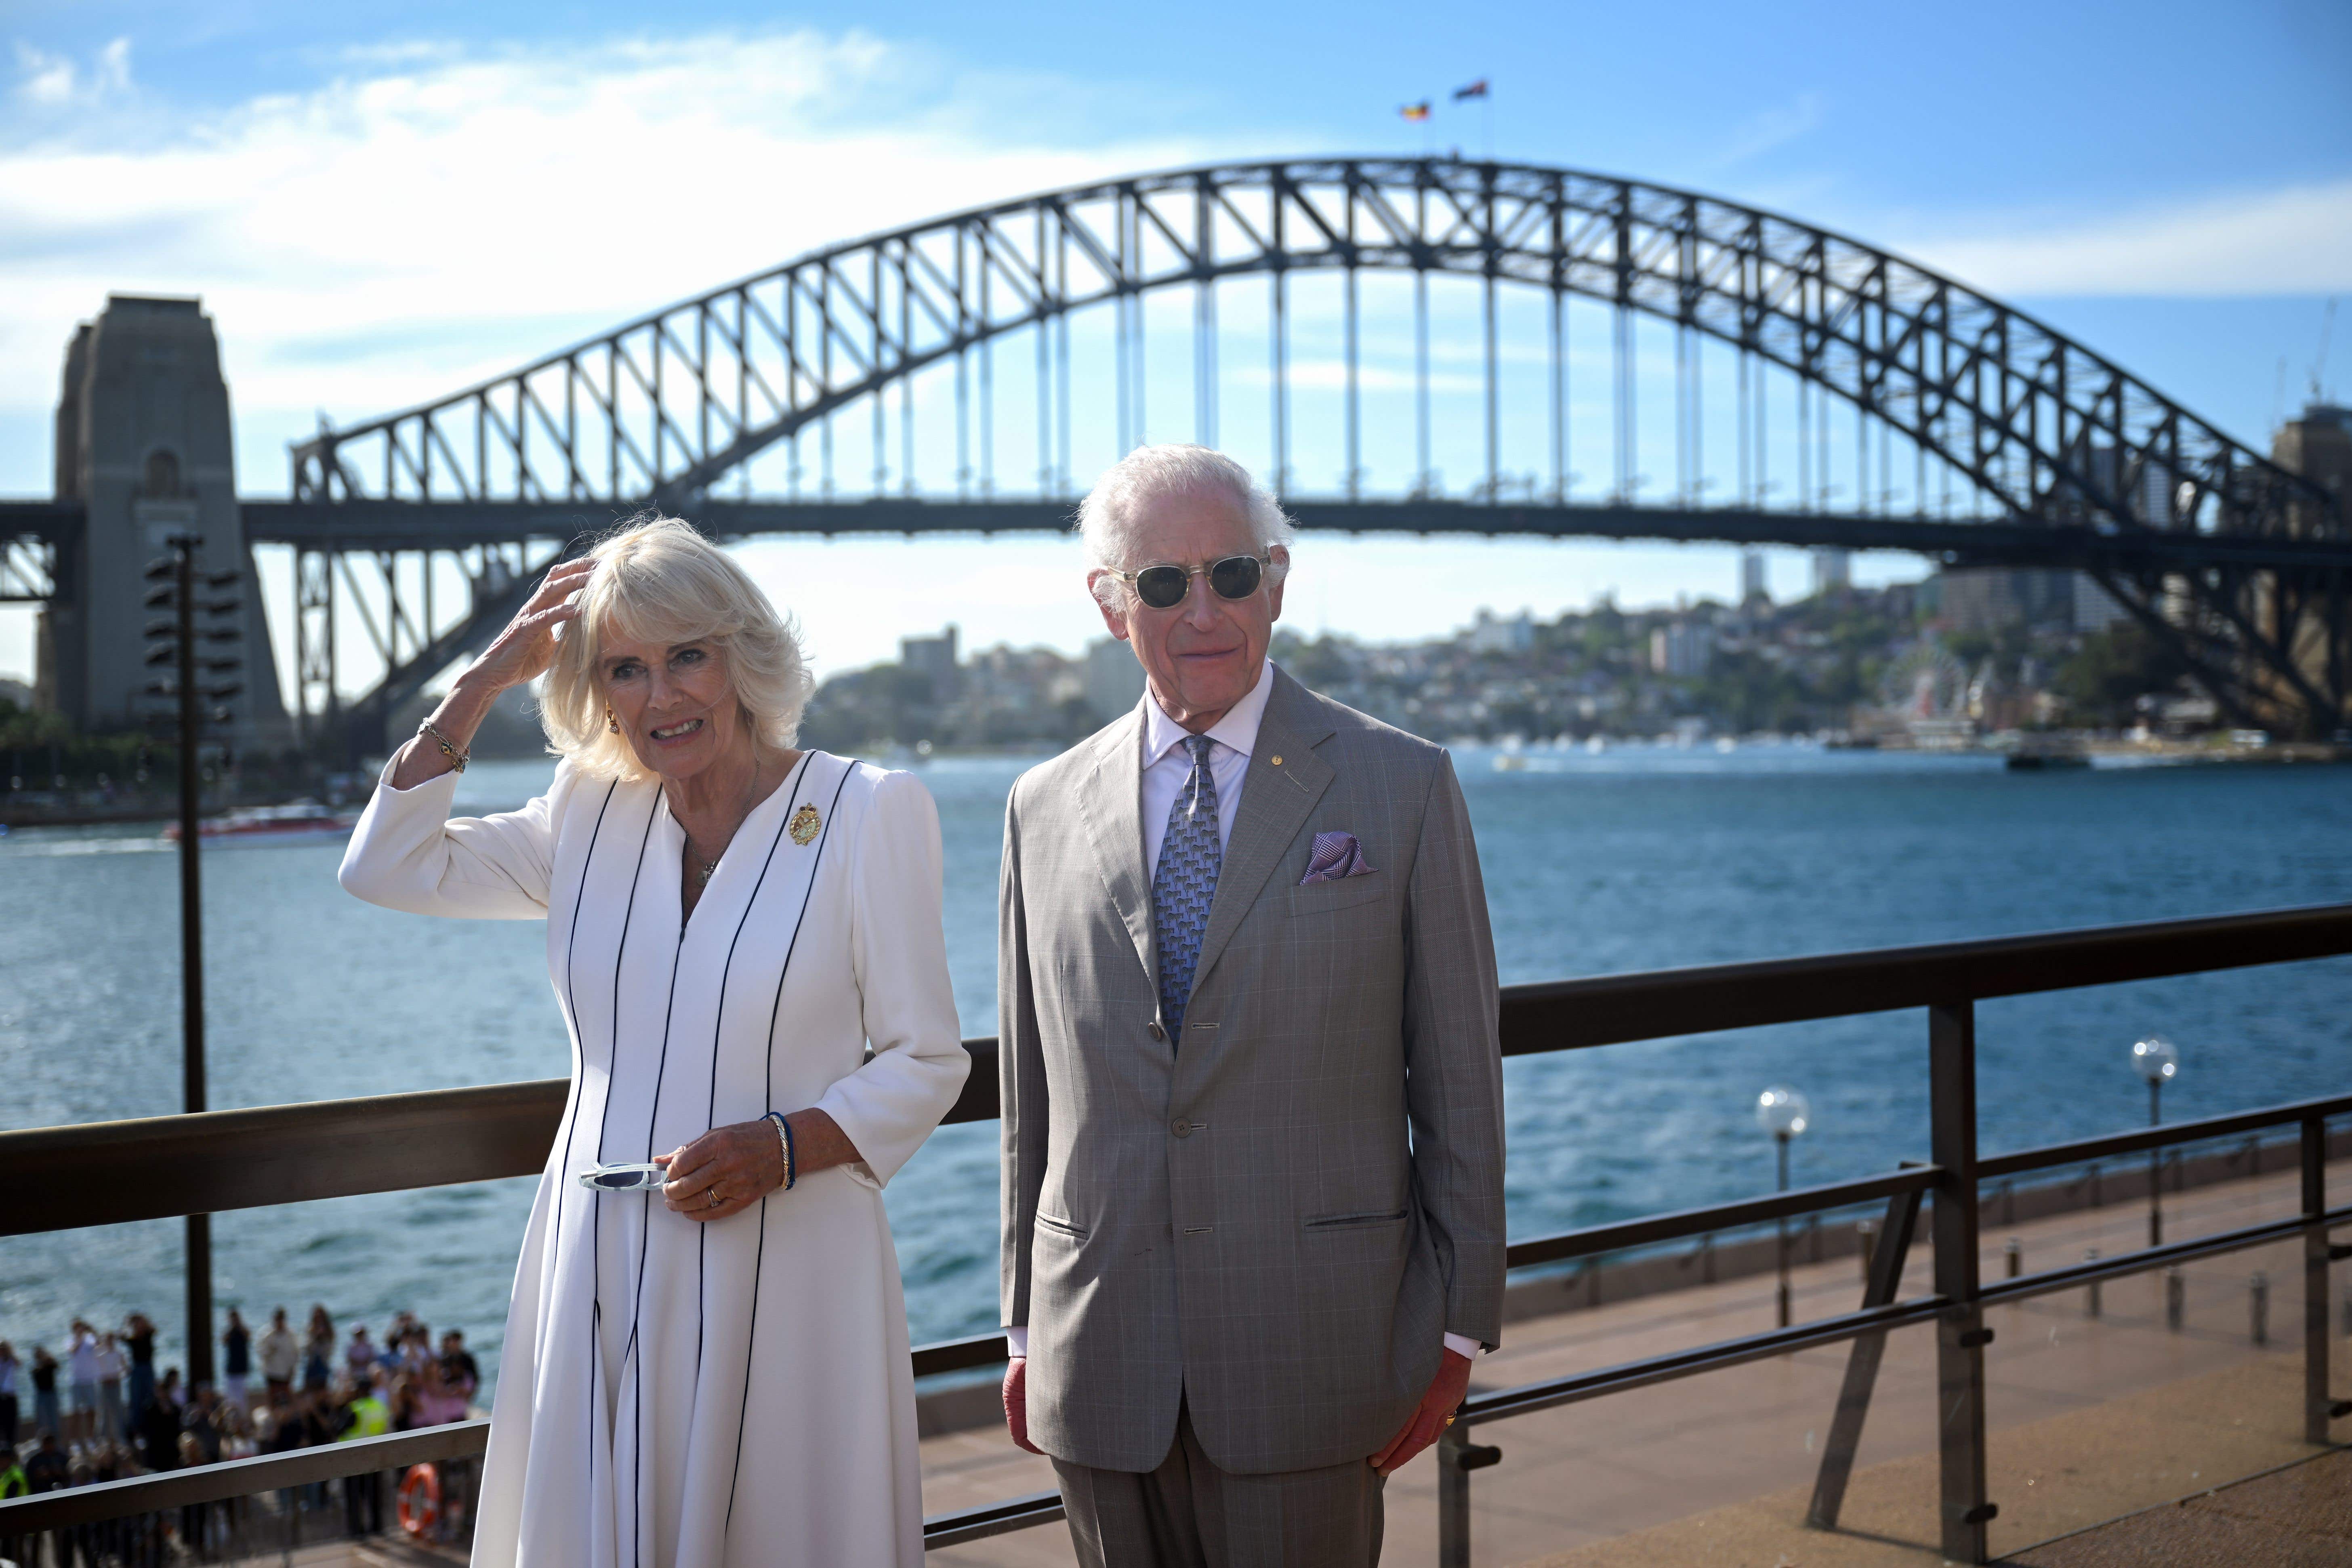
(1277,1219)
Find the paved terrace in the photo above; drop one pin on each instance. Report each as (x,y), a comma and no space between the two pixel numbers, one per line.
(2093,1420)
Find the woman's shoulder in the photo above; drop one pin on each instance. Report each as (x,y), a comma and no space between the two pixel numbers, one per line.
(863,793)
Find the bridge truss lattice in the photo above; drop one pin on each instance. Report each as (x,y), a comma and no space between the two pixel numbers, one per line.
(2237,562)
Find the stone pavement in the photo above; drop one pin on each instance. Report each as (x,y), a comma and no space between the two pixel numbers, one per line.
(2299,1517)
(2091,1418)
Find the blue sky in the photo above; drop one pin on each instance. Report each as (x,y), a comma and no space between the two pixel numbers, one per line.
(380,202)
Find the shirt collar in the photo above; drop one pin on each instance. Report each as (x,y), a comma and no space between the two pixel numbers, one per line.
(1237,730)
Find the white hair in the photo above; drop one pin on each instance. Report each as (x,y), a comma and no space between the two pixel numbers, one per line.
(1107,518)
(658,580)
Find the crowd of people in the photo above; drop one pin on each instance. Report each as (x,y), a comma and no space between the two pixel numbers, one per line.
(100,1413)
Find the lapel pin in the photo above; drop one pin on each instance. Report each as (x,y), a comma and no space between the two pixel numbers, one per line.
(1278,761)
(806,822)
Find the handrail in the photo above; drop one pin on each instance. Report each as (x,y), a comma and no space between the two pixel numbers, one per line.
(2147,1138)
(239,1478)
(106,1173)
(109,1173)
(1651,1229)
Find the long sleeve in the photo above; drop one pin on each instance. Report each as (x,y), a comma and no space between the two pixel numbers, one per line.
(899,955)
(408,853)
(1454,1085)
(1021,1080)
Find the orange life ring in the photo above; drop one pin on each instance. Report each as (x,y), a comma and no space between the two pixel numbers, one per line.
(420,1501)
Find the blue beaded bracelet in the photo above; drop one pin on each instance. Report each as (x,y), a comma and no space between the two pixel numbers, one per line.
(785,1132)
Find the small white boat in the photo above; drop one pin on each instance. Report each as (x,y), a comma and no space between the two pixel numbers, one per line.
(303,822)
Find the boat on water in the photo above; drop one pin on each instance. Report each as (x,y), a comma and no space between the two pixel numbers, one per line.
(2035,756)
(302,822)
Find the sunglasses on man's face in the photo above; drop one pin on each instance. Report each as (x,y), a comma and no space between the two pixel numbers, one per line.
(1164,586)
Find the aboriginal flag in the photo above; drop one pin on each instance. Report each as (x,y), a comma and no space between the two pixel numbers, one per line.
(1475,89)
(1415,110)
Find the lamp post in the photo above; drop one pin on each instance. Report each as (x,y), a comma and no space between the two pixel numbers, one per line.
(1785,1114)
(2155,1059)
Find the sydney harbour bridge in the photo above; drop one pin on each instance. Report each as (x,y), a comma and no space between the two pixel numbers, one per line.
(971,372)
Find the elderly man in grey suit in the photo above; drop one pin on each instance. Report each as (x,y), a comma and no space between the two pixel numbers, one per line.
(1253,1185)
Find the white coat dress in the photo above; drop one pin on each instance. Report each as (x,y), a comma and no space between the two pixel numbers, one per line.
(675,1395)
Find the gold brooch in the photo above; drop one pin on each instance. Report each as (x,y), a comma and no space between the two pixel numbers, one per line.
(806,822)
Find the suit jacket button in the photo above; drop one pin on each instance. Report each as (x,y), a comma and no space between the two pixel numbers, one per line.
(1157,1032)
(1182,1129)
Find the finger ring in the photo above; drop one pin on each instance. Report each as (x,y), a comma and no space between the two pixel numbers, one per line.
(715,1199)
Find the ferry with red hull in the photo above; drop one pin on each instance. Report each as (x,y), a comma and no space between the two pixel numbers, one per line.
(303,822)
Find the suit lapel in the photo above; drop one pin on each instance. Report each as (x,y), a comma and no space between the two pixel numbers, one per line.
(1275,805)
(1112,806)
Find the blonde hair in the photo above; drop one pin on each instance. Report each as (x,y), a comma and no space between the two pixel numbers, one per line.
(658,580)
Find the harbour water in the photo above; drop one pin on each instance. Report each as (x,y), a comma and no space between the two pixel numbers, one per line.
(1632,858)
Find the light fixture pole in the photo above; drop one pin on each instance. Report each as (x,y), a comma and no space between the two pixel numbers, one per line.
(2155,1060)
(1785,1114)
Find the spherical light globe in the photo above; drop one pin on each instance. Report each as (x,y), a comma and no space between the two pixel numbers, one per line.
(1782,1111)
(2155,1059)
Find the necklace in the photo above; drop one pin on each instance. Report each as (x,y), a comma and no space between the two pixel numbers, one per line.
(702,877)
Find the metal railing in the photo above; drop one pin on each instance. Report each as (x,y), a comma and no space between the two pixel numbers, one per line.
(62,1178)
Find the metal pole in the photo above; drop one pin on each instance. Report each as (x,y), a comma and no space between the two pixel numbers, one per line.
(1456,1457)
(2318,1408)
(1420,482)
(1355,410)
(2155,1166)
(192,961)
(1494,379)
(1960,1333)
(1780,1148)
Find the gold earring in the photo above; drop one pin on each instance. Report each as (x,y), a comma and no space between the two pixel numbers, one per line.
(610,722)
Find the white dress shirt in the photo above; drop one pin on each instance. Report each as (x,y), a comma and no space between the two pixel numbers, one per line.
(1167,764)
(1166,767)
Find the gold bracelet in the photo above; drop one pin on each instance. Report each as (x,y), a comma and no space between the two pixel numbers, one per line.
(457,759)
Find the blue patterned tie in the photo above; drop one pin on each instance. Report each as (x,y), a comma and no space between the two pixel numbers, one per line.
(1185,883)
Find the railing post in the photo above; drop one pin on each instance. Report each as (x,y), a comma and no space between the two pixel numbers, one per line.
(1960,1333)
(1456,1457)
(1881,1284)
(2318,1407)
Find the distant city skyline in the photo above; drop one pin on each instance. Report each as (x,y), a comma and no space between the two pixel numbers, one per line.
(379,205)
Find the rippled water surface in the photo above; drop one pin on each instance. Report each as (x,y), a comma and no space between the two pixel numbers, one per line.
(1630,860)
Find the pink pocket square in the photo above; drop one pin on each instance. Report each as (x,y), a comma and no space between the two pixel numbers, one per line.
(1335,855)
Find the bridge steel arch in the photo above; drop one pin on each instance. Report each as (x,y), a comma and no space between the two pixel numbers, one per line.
(2045,430)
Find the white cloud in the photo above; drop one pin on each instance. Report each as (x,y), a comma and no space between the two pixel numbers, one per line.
(53,82)
(2296,239)
(429,215)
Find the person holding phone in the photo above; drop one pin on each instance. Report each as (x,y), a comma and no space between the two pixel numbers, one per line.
(706,1366)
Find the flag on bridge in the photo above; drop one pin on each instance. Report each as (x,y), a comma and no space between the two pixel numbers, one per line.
(1415,110)
(1475,89)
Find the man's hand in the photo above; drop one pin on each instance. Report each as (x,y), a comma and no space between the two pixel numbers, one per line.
(1016,1402)
(1445,1392)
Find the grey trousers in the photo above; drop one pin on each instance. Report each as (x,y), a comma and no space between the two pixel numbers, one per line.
(1190,1514)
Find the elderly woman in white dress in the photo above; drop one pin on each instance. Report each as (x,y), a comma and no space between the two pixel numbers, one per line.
(744,939)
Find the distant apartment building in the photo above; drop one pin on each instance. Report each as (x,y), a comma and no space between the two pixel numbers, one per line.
(2095,609)
(1833,571)
(1990,599)
(933,659)
(1752,585)
(1114,678)
(1491,634)
(1682,649)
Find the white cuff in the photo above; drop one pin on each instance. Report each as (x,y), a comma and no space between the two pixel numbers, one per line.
(1017,1341)
(1465,1347)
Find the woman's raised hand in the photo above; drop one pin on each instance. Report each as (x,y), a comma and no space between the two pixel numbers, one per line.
(527,646)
